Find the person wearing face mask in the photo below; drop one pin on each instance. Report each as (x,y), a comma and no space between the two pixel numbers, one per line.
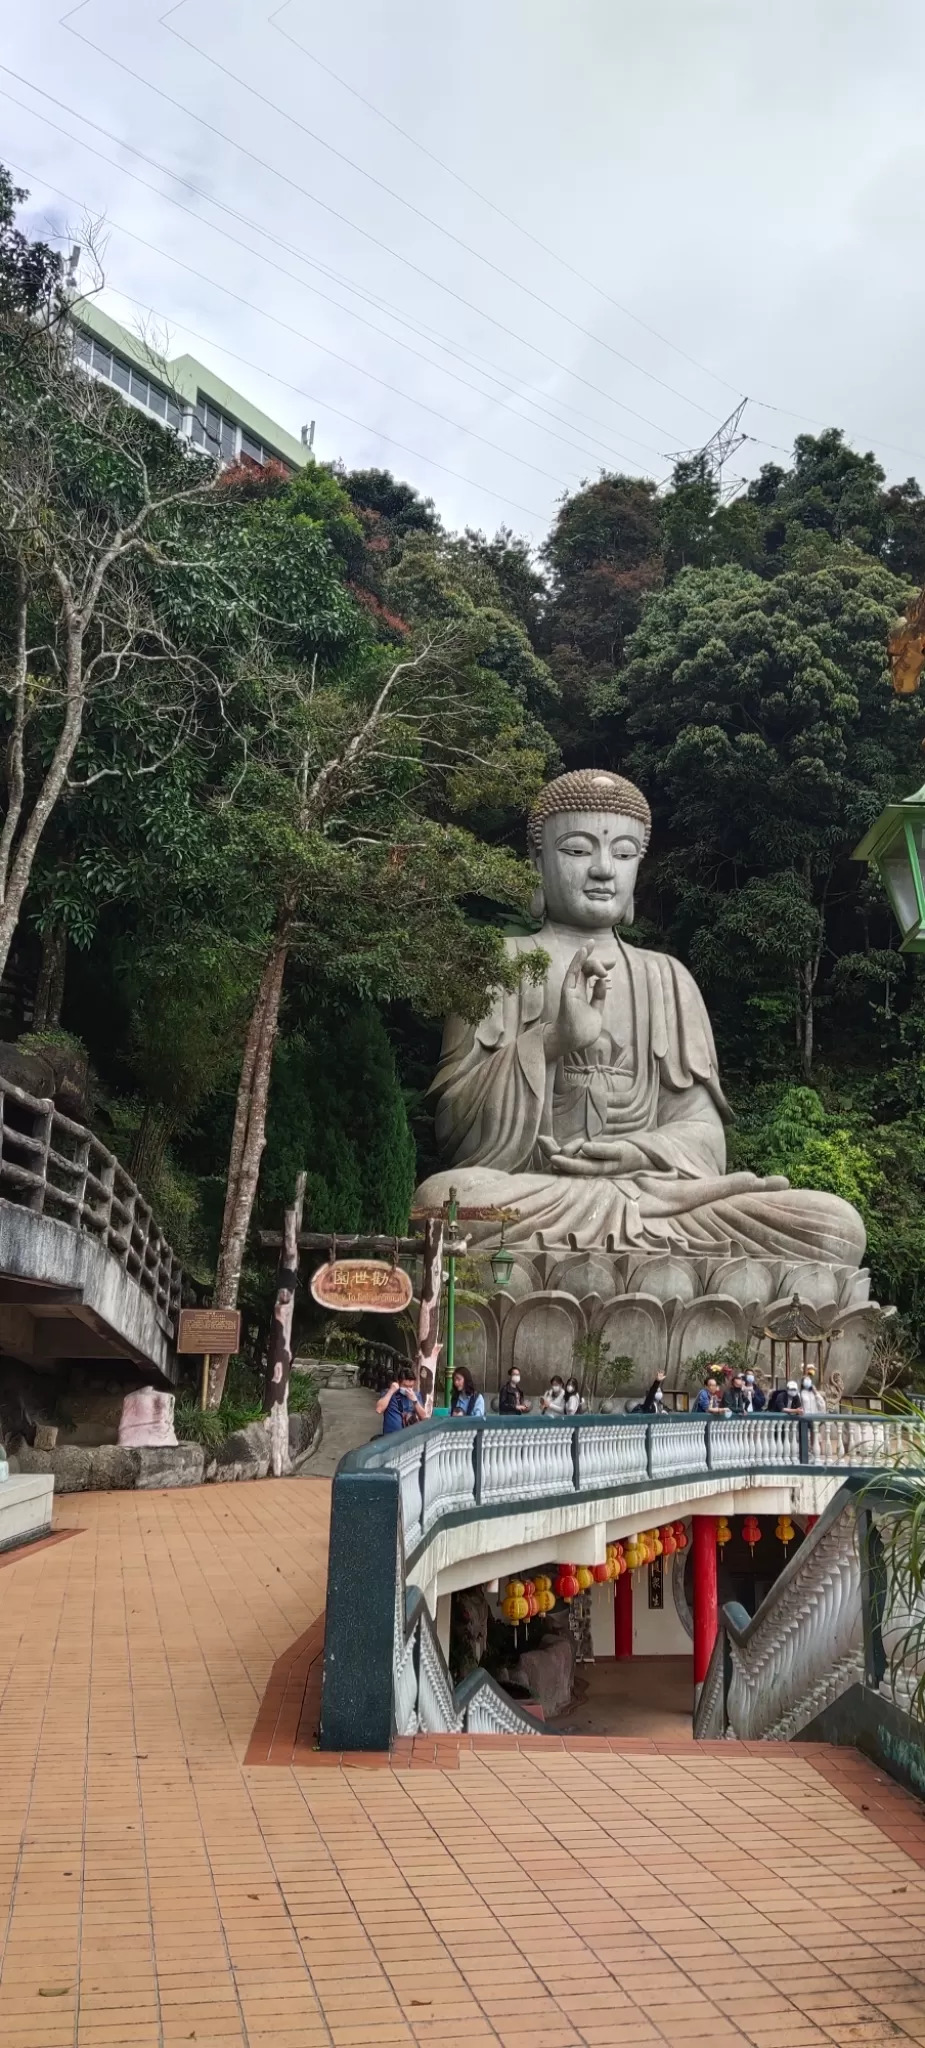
(813,1400)
(755,1395)
(510,1399)
(573,1401)
(553,1401)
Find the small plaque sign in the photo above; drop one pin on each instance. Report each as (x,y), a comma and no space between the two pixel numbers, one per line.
(209,1330)
(366,1284)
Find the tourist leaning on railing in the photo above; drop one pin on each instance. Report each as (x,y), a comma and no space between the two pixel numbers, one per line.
(510,1399)
(465,1400)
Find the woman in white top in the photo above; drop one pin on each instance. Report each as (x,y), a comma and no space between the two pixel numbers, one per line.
(573,1400)
(553,1401)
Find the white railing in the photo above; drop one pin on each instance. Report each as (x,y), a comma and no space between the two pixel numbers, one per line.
(806,1646)
(55,1167)
(424,1699)
(458,1468)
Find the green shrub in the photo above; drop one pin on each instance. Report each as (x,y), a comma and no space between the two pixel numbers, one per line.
(303,1392)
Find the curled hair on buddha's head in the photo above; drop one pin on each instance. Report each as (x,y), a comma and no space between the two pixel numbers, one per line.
(587,789)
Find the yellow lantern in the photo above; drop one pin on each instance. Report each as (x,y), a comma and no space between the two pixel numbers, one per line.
(515,1608)
(545,1602)
(514,1590)
(723,1532)
(785,1531)
(633,1556)
(542,1583)
(584,1577)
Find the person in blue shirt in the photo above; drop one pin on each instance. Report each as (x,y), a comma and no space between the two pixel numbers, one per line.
(400,1404)
(708,1399)
(464,1399)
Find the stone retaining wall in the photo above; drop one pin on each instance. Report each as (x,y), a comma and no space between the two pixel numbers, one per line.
(86,1468)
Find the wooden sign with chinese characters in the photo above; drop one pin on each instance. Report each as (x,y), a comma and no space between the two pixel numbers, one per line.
(213,1332)
(355,1284)
(657,1582)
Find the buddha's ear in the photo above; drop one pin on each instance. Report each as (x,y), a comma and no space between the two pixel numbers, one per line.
(629,913)
(538,899)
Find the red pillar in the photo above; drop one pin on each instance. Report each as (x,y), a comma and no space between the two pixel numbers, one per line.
(706,1605)
(810,1523)
(623,1615)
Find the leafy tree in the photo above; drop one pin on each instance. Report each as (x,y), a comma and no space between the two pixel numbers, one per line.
(759,717)
(831,495)
(604,555)
(335,1102)
(30,272)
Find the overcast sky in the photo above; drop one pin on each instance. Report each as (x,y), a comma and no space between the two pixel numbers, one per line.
(729,198)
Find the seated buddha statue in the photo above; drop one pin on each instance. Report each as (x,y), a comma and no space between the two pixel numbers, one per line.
(590,1102)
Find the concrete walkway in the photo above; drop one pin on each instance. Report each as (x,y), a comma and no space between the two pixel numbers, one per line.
(350,1419)
(155,1891)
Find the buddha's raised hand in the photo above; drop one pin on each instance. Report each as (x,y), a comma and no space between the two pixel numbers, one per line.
(581,1005)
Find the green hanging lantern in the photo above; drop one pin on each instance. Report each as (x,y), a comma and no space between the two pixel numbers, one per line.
(895,846)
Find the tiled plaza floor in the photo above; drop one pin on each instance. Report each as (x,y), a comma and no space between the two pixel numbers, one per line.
(154,1890)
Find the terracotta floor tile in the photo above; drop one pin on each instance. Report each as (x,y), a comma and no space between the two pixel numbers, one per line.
(549,1896)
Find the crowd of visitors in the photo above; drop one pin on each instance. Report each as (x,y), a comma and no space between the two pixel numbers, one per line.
(742,1394)
(725,1393)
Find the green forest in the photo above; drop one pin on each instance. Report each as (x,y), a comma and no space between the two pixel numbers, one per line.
(269,745)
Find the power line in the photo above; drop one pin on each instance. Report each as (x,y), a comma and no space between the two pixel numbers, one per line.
(437,225)
(273,22)
(345,221)
(765,405)
(531,511)
(313,342)
(258,228)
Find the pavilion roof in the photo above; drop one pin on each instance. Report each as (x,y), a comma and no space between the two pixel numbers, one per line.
(795,1323)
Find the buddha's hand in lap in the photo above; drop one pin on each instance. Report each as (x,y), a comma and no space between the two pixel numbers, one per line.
(595,1159)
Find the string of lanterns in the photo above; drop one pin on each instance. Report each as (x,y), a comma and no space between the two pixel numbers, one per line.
(525,1598)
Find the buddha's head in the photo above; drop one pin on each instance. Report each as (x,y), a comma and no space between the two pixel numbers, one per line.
(587,834)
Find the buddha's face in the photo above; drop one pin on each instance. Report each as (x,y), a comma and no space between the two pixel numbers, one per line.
(589,863)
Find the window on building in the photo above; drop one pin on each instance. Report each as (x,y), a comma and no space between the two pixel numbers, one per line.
(121,372)
(254,450)
(219,434)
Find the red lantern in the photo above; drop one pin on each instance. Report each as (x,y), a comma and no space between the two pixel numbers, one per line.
(567,1584)
(751,1530)
(669,1545)
(530,1598)
(599,1574)
(680,1535)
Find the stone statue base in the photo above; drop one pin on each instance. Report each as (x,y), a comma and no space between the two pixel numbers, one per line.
(659,1309)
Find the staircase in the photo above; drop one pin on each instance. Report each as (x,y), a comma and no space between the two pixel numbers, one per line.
(832,1654)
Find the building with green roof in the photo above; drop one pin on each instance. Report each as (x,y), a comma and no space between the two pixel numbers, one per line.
(183,393)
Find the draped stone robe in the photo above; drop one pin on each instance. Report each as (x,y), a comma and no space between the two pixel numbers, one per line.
(651,1079)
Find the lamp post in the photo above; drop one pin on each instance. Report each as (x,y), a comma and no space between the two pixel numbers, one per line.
(452,1214)
(895,846)
(502,1264)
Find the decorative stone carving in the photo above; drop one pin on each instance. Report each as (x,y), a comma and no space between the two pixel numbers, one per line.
(722,1299)
(589,1103)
